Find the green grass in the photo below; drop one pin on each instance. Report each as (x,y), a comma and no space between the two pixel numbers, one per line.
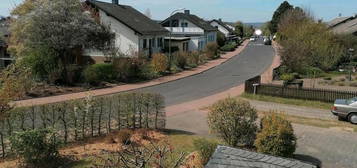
(296,102)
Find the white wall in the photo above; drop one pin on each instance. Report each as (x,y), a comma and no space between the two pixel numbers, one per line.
(126,40)
(220,28)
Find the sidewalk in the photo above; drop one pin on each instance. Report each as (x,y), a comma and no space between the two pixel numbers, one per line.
(128,87)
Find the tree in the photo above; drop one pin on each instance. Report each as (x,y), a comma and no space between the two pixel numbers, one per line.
(266,29)
(239,29)
(221,39)
(61,27)
(148,13)
(248,30)
(234,121)
(285,6)
(276,136)
(307,43)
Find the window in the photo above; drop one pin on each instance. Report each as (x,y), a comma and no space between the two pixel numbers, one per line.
(145,43)
(159,42)
(184,24)
(185,46)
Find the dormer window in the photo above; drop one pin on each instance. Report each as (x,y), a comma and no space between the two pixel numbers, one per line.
(184,24)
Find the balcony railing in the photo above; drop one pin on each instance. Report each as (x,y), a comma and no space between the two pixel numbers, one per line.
(185,30)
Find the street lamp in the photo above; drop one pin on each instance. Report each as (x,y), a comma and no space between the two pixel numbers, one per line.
(350,51)
(172,13)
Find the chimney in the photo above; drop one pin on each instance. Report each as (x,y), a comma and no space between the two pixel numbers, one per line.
(220,19)
(187,12)
(115,2)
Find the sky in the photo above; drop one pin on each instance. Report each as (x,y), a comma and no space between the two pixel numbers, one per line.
(229,10)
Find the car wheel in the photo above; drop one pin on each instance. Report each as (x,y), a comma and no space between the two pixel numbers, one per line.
(353,118)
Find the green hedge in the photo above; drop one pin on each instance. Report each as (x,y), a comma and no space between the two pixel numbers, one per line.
(229,47)
(92,116)
(96,73)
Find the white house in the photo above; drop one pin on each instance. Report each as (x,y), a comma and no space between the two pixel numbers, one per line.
(222,27)
(189,32)
(134,32)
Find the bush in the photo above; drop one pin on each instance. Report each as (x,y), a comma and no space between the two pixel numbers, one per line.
(211,50)
(327,78)
(276,136)
(181,59)
(124,136)
(193,58)
(205,148)
(96,73)
(37,147)
(229,47)
(234,121)
(287,77)
(159,63)
(221,39)
(128,68)
(147,72)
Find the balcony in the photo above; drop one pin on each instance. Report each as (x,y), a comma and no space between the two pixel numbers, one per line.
(185,30)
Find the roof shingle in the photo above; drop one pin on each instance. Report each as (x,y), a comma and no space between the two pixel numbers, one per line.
(194,19)
(130,17)
(226,157)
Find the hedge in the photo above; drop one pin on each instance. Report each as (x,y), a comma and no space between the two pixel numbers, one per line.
(89,117)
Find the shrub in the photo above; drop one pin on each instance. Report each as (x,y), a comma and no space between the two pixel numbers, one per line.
(234,121)
(159,63)
(181,59)
(37,147)
(221,39)
(205,148)
(124,136)
(327,78)
(128,68)
(353,84)
(276,136)
(96,73)
(193,58)
(147,72)
(211,50)
(287,77)
(229,47)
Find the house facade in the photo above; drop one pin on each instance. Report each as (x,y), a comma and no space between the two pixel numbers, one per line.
(224,28)
(135,33)
(189,32)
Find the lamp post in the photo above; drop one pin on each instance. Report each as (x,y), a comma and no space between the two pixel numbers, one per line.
(350,51)
(172,13)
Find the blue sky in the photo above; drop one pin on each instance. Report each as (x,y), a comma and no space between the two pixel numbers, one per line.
(228,10)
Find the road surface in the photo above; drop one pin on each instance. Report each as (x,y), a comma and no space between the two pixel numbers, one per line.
(251,62)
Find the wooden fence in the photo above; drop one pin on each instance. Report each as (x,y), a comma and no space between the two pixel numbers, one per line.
(92,116)
(323,95)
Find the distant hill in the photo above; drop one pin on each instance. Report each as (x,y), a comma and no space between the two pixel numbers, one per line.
(256,24)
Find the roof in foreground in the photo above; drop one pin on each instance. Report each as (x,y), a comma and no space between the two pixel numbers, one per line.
(227,157)
(130,17)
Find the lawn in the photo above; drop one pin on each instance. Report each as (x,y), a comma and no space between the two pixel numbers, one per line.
(296,102)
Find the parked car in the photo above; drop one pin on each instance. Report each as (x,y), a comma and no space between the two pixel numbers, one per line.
(252,39)
(267,41)
(346,109)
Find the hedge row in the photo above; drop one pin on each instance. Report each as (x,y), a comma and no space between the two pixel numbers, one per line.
(92,116)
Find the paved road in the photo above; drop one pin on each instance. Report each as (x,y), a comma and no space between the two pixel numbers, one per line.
(249,63)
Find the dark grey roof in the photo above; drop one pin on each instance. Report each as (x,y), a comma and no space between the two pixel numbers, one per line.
(194,19)
(338,20)
(222,24)
(227,157)
(130,17)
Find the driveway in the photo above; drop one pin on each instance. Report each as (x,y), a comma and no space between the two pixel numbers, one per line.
(252,61)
